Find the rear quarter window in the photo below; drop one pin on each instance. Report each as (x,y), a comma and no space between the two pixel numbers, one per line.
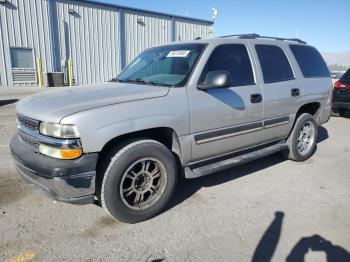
(310,61)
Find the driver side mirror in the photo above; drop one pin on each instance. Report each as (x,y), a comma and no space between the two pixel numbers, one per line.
(216,79)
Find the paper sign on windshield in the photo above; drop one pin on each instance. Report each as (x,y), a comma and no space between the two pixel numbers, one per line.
(178,53)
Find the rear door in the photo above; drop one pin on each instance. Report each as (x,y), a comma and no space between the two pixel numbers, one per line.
(225,119)
(281,88)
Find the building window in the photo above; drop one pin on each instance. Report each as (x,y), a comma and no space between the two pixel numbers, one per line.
(22,57)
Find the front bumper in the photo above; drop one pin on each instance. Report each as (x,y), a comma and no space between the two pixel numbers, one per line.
(70,181)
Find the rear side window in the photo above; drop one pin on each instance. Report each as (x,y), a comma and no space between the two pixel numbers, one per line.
(234,59)
(310,61)
(274,64)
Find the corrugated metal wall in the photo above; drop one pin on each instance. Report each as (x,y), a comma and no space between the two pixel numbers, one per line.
(100,39)
(143,31)
(187,30)
(24,23)
(89,35)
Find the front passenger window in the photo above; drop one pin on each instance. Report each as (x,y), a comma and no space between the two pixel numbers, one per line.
(234,59)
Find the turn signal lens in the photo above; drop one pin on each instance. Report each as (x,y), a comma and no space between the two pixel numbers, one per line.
(71,153)
(60,153)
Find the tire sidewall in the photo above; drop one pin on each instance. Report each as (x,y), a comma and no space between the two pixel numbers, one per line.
(293,139)
(112,200)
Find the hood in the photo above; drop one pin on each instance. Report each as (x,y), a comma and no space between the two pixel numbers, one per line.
(53,105)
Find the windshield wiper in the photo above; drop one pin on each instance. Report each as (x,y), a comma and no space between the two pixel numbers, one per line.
(144,82)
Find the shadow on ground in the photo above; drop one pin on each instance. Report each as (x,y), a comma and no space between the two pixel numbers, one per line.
(188,187)
(7,102)
(322,134)
(268,243)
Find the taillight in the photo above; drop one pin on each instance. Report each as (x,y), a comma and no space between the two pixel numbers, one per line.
(340,85)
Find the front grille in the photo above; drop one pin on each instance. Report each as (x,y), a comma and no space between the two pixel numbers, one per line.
(29,123)
(29,141)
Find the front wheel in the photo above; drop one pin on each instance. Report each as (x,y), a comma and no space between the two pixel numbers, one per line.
(139,181)
(303,138)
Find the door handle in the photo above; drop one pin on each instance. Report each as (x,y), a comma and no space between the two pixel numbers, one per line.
(255,98)
(295,92)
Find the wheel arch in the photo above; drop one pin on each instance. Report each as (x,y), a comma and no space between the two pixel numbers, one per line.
(164,135)
(312,108)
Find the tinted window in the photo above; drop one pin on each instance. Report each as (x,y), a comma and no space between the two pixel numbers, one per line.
(22,57)
(346,76)
(310,61)
(274,64)
(235,60)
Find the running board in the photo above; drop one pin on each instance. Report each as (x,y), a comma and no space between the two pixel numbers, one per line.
(194,171)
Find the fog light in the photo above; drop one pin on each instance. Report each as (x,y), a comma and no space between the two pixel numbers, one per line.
(60,153)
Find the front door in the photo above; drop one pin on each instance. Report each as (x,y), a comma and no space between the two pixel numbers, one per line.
(223,120)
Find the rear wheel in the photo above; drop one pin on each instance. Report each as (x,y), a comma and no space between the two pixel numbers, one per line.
(139,181)
(303,138)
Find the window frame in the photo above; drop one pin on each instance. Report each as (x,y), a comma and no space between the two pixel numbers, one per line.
(22,48)
(288,60)
(226,44)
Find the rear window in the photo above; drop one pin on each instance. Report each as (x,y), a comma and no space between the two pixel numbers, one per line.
(310,61)
(346,76)
(274,64)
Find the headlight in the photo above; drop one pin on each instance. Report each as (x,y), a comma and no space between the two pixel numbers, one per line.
(60,153)
(59,131)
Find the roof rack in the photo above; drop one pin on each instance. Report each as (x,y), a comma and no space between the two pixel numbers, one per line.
(254,36)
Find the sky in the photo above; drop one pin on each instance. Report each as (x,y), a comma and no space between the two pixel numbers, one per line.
(324,24)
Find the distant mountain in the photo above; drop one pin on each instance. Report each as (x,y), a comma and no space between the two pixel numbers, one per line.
(342,58)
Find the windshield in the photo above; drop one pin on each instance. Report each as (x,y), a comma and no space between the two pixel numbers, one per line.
(164,66)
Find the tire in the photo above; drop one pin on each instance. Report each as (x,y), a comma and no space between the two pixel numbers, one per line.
(138,181)
(341,112)
(296,138)
(335,112)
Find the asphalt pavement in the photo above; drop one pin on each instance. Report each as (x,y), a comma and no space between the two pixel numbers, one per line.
(267,210)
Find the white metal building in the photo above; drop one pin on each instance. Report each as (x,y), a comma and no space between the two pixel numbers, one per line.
(99,39)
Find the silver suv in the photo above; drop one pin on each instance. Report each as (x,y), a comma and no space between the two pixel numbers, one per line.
(188,108)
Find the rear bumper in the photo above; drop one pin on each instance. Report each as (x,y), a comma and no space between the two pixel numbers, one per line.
(70,181)
(337,105)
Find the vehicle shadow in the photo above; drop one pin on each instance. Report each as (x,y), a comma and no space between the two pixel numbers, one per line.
(7,102)
(187,187)
(322,134)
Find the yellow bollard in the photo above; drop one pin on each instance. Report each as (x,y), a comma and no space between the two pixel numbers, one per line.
(40,77)
(70,72)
